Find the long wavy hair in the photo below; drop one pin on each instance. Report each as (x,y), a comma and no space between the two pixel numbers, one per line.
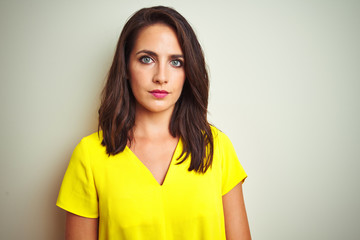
(189,118)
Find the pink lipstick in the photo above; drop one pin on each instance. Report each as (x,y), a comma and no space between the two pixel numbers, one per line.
(159,93)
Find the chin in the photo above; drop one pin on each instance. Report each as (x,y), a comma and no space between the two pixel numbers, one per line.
(160,109)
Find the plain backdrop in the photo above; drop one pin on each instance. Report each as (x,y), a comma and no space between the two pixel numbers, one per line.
(285,87)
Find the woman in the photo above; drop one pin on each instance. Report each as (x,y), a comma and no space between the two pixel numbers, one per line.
(156,169)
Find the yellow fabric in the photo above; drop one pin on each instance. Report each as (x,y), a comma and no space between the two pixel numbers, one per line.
(131,204)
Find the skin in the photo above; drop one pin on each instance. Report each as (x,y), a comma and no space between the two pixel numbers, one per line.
(80,228)
(236,222)
(156,63)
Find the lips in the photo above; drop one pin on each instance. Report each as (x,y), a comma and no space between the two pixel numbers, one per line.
(159,93)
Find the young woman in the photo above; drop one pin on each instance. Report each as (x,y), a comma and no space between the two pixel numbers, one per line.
(156,169)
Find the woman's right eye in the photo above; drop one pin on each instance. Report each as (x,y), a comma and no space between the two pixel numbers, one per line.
(146,60)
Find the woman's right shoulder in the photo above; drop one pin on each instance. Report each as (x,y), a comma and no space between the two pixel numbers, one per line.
(92,143)
(94,138)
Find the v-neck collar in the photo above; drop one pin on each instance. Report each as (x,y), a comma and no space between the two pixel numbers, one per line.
(175,155)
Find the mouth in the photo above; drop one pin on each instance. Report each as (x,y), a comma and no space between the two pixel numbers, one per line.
(159,93)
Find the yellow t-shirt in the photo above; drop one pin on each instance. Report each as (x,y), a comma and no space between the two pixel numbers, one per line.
(131,204)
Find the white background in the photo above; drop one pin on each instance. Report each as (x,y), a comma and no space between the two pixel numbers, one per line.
(285,87)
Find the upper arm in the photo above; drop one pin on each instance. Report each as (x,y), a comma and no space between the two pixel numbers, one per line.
(236,222)
(81,228)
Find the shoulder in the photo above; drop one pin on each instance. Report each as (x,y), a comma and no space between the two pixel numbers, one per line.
(93,139)
(215,132)
(91,145)
(219,137)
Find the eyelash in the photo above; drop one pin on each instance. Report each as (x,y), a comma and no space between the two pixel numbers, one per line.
(180,62)
(141,59)
(144,57)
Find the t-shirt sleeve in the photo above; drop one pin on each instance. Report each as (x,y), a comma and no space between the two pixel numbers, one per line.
(232,171)
(78,192)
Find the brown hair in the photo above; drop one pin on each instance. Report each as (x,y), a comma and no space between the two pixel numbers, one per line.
(189,118)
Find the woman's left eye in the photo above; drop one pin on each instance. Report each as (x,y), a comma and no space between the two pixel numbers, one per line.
(176,63)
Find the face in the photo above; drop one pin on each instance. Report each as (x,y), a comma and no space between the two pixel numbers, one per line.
(156,69)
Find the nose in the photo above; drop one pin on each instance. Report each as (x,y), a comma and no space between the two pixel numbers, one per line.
(160,76)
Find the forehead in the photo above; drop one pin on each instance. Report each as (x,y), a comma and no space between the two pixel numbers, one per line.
(159,38)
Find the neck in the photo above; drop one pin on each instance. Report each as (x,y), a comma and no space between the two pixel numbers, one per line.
(152,125)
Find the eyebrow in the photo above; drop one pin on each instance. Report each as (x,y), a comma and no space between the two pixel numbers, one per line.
(151,53)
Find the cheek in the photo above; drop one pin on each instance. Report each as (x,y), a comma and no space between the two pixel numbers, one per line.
(181,80)
(178,77)
(137,78)
(135,86)
(181,84)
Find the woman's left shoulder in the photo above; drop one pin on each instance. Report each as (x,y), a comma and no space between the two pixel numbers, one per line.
(215,131)
(217,134)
